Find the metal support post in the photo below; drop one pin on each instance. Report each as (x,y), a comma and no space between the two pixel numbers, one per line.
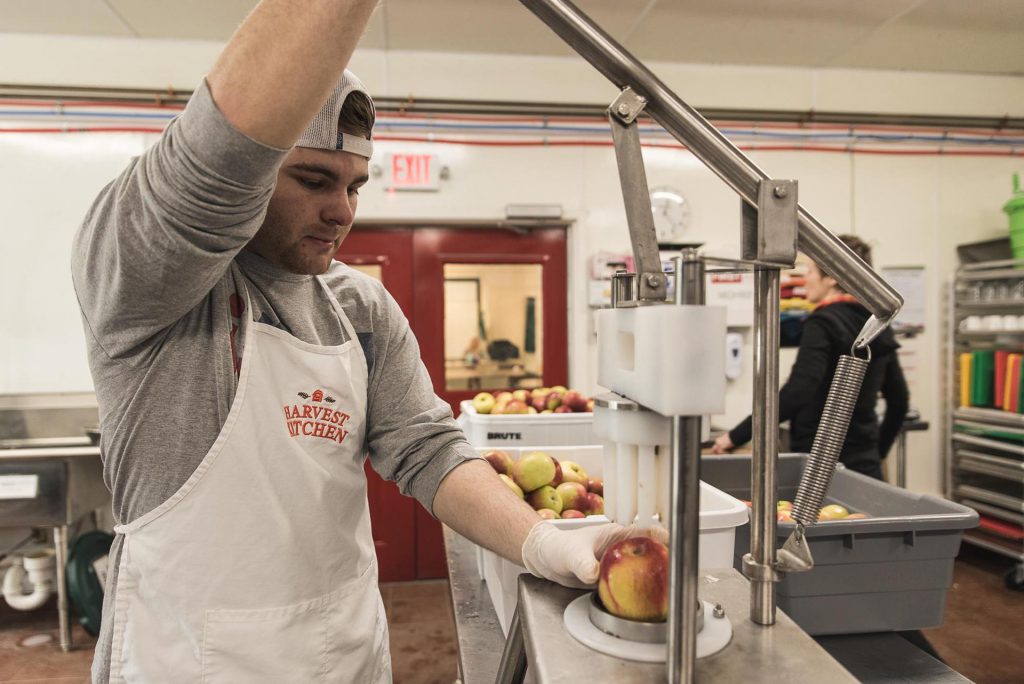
(765,460)
(901,459)
(60,543)
(512,669)
(684,525)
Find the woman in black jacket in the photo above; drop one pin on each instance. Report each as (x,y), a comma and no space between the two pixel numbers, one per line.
(828,333)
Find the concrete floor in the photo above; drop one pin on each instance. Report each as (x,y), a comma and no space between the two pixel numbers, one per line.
(980,638)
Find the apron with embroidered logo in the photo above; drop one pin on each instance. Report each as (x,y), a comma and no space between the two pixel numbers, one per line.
(261,567)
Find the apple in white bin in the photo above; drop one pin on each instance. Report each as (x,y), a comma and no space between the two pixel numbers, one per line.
(545,497)
(521,395)
(484,403)
(502,398)
(500,461)
(533,471)
(594,504)
(515,407)
(547,514)
(563,409)
(513,486)
(569,514)
(574,472)
(558,389)
(573,495)
(633,580)
(596,485)
(575,401)
(557,479)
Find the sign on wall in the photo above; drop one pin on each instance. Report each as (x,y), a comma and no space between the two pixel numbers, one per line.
(415,172)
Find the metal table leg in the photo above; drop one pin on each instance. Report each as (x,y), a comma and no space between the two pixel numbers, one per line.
(901,459)
(512,669)
(60,543)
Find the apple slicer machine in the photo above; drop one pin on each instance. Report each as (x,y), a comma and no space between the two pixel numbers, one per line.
(663,361)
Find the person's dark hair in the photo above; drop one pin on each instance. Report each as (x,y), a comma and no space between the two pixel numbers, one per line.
(859,247)
(357,117)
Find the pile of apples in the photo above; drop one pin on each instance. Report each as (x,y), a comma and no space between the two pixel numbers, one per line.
(554,489)
(555,399)
(830,512)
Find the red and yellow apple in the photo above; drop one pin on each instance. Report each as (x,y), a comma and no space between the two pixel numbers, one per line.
(515,407)
(594,504)
(569,514)
(575,401)
(595,485)
(545,497)
(521,395)
(557,479)
(573,495)
(533,471)
(513,486)
(547,514)
(633,580)
(574,472)
(500,461)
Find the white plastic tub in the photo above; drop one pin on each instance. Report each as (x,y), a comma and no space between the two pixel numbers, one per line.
(720,515)
(547,429)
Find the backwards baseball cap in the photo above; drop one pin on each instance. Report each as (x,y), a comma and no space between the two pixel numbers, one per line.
(323,132)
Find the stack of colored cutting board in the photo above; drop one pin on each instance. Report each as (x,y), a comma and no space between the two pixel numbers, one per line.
(993,379)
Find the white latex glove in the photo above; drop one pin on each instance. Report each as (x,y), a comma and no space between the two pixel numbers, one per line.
(571,557)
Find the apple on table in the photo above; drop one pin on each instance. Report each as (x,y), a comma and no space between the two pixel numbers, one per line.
(633,580)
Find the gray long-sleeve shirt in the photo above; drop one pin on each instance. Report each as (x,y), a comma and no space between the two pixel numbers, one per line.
(152,268)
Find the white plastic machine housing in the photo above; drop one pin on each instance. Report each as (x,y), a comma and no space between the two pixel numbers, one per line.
(667,358)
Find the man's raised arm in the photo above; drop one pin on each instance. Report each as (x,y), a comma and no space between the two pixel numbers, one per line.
(283,61)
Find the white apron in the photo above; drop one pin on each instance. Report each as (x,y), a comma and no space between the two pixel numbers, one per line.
(261,568)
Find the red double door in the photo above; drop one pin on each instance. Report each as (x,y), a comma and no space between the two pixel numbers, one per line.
(411,264)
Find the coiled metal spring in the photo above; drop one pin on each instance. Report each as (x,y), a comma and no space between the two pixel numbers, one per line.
(828,440)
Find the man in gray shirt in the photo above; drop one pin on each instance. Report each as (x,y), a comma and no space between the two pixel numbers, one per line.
(242,376)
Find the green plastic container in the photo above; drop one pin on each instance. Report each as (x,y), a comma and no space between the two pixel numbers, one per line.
(1014,208)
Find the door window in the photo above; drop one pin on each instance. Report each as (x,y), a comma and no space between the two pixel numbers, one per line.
(493,326)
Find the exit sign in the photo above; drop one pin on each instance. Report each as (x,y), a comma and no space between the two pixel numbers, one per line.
(412,171)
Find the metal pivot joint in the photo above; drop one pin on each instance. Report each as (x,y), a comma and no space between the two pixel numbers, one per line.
(651,283)
(769,230)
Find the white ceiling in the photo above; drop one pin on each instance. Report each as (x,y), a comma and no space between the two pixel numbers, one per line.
(973,36)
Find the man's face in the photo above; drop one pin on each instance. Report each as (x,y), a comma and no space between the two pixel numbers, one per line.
(311,210)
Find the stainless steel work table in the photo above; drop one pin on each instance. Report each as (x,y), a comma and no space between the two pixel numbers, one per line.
(556,657)
(69,473)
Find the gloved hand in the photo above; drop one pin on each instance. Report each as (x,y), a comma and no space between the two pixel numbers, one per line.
(571,557)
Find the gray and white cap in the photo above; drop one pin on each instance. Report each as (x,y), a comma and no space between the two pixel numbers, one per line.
(322,133)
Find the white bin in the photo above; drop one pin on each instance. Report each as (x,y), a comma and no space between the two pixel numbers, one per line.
(548,429)
(720,515)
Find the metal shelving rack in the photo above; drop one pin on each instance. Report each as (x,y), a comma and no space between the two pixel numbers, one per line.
(985,463)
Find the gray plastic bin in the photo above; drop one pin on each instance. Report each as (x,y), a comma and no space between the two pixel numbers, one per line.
(887,572)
